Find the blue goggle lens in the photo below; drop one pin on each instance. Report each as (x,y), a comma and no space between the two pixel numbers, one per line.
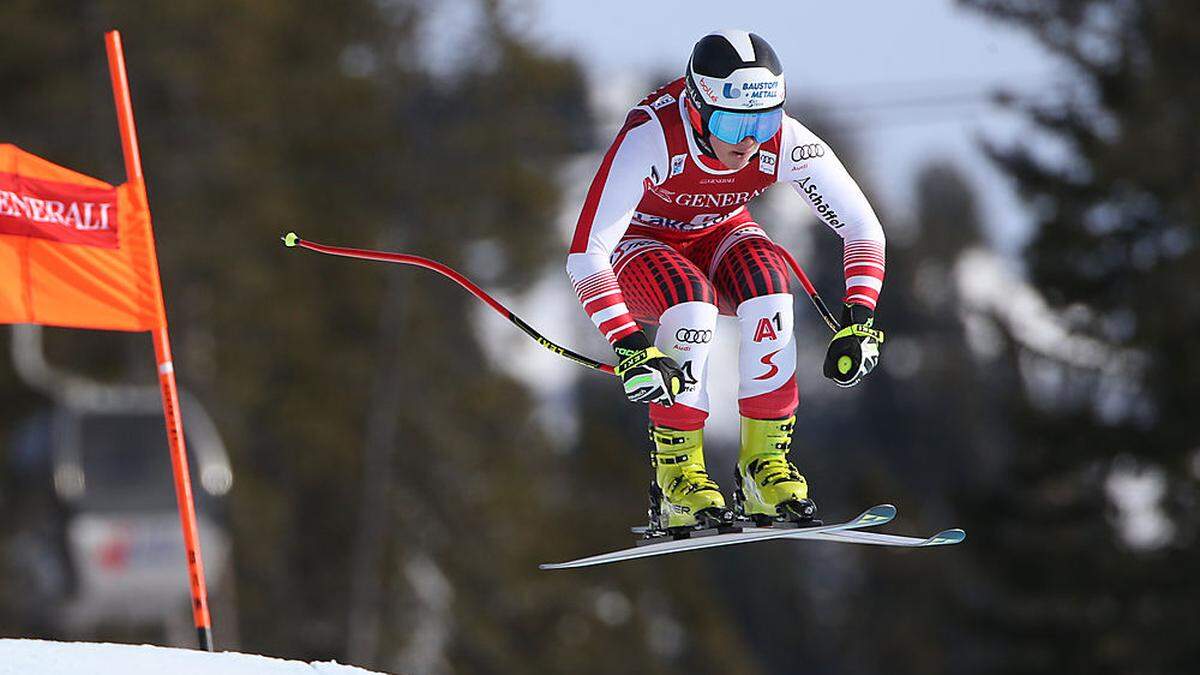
(732,127)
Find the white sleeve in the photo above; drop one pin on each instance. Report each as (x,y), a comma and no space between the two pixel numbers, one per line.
(808,164)
(638,154)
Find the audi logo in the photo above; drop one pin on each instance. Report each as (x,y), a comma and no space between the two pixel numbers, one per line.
(696,337)
(803,152)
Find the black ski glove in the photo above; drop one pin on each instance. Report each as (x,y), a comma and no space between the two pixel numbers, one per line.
(649,375)
(854,350)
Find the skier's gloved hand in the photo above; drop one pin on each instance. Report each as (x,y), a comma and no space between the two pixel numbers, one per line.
(649,375)
(854,350)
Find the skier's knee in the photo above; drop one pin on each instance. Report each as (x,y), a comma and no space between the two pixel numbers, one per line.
(693,316)
(752,268)
(691,288)
(766,280)
(777,307)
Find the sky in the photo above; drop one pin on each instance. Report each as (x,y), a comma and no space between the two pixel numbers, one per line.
(906,82)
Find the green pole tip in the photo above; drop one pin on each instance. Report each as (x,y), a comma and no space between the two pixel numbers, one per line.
(290,239)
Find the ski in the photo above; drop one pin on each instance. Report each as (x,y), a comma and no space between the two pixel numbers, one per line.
(943,538)
(876,515)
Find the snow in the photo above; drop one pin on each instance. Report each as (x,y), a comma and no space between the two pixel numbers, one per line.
(39,657)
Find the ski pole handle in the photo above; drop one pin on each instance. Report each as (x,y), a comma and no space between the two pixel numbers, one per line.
(292,240)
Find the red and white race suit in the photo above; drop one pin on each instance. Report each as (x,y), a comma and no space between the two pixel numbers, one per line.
(665,237)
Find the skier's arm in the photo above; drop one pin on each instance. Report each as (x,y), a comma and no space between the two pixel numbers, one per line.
(808,164)
(637,153)
(637,156)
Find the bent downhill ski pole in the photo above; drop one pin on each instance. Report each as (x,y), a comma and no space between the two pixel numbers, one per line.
(292,240)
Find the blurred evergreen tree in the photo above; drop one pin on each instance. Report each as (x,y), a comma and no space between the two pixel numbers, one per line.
(923,432)
(1118,207)
(939,433)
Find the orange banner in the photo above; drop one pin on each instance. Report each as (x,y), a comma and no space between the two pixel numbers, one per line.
(74,251)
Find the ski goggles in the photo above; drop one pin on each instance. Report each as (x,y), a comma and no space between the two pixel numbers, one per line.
(732,127)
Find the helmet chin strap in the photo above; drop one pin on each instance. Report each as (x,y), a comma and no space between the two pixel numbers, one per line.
(702,142)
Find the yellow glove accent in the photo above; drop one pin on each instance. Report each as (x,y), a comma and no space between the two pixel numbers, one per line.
(638,358)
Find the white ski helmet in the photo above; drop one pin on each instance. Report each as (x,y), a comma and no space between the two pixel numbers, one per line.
(735,85)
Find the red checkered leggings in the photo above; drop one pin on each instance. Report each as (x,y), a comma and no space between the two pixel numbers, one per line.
(725,266)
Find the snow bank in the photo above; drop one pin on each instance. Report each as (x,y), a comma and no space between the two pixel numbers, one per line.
(38,657)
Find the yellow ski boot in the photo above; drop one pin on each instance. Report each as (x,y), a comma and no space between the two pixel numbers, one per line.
(769,487)
(682,495)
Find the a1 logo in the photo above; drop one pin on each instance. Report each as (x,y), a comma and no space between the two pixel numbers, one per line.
(767,327)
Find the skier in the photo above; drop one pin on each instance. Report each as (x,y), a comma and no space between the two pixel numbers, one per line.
(665,237)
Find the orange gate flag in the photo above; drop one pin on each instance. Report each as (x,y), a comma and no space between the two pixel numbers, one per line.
(79,253)
(74,251)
